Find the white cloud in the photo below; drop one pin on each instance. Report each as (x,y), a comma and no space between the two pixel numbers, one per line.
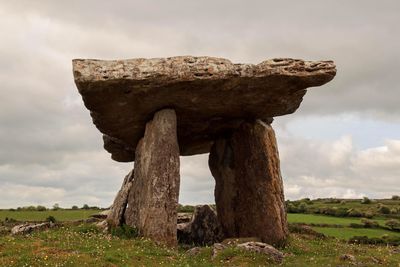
(21,195)
(48,142)
(337,169)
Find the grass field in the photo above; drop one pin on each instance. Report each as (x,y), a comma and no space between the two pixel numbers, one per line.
(60,215)
(78,246)
(347,233)
(342,233)
(314,218)
(70,215)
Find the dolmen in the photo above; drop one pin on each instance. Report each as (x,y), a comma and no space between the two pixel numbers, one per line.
(152,111)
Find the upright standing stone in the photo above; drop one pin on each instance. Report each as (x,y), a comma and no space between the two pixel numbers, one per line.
(249,189)
(116,215)
(153,198)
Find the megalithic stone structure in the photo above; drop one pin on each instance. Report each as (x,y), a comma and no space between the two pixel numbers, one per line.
(153,199)
(152,110)
(248,184)
(116,217)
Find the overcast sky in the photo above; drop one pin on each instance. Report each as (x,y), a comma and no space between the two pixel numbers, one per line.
(344,141)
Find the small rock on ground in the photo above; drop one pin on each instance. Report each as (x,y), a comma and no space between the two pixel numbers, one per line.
(263,248)
(347,257)
(193,251)
(29,227)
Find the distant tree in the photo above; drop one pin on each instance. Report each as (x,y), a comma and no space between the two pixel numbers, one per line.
(366,200)
(41,208)
(395,197)
(56,206)
(85,207)
(291,208)
(74,207)
(186,208)
(302,207)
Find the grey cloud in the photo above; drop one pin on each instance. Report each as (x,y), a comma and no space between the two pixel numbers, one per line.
(47,138)
(315,168)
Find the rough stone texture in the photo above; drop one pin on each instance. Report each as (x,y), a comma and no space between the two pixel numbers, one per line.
(101,215)
(249,189)
(193,251)
(263,248)
(29,227)
(347,257)
(239,240)
(153,198)
(103,225)
(184,217)
(210,95)
(203,229)
(115,216)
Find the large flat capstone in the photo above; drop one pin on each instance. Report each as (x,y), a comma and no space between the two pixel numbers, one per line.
(211,96)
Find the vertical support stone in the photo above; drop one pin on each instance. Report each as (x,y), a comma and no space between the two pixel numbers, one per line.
(117,211)
(249,189)
(153,198)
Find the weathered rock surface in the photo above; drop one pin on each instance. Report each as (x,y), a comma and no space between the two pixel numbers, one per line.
(103,225)
(184,217)
(203,229)
(153,198)
(263,248)
(239,240)
(210,95)
(249,190)
(29,227)
(193,251)
(101,215)
(253,246)
(347,257)
(116,216)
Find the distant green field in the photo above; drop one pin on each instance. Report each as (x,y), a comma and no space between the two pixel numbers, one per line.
(60,215)
(342,233)
(70,215)
(315,218)
(347,233)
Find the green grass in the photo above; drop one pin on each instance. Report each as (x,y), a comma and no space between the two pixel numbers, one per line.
(342,233)
(60,215)
(74,246)
(347,233)
(69,215)
(315,218)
